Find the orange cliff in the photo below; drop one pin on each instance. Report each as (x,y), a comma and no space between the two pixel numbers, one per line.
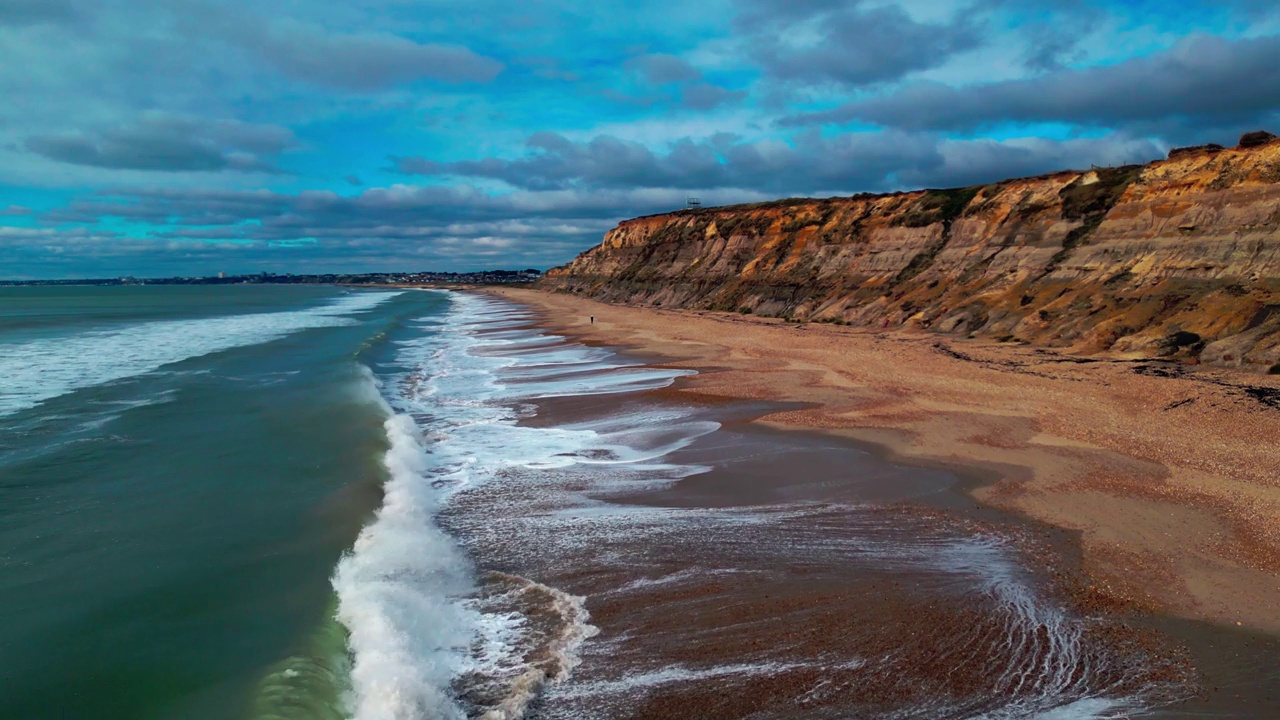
(1178,259)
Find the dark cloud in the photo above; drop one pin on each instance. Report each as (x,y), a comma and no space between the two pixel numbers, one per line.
(753,14)
(705,96)
(1201,80)
(375,214)
(683,84)
(1051,31)
(1050,48)
(809,164)
(974,162)
(310,42)
(661,69)
(169,144)
(367,61)
(1253,9)
(548,68)
(30,12)
(353,180)
(847,42)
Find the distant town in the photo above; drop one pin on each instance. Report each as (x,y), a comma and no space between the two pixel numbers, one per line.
(486,277)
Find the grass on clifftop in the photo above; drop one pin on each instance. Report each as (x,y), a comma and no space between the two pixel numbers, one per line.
(939,206)
(1080,200)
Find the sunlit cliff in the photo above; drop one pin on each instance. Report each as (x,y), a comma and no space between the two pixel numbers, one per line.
(1179,258)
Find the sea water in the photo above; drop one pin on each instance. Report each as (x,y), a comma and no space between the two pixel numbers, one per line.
(221,503)
(180,470)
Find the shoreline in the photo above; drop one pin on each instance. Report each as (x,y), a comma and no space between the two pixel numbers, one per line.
(741,570)
(1029,431)
(821,503)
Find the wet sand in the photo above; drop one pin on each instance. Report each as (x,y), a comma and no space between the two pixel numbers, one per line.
(736,569)
(1168,474)
(789,616)
(796,575)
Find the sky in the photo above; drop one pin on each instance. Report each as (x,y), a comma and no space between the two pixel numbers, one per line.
(187,137)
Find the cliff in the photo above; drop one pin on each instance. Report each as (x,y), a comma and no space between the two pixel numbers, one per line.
(1178,259)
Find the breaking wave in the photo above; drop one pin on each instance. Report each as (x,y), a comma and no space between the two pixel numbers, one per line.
(430,636)
(38,370)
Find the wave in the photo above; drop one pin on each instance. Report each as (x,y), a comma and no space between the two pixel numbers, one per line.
(534,642)
(36,371)
(398,596)
(311,685)
(428,637)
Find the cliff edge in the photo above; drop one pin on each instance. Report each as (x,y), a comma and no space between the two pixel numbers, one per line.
(1177,259)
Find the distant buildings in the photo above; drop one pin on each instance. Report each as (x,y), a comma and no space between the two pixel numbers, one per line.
(485,277)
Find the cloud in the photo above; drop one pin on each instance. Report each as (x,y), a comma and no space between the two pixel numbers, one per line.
(811,163)
(976,162)
(705,96)
(30,12)
(365,61)
(548,68)
(169,144)
(476,97)
(847,42)
(679,81)
(51,238)
(1050,31)
(661,69)
(392,228)
(1202,79)
(1254,9)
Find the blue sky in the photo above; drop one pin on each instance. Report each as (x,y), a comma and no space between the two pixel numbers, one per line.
(163,137)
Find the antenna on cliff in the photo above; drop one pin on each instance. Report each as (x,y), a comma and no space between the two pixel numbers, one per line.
(693,203)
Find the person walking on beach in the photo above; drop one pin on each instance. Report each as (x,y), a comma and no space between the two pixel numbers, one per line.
(593,319)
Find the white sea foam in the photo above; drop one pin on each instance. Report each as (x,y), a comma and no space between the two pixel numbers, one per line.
(670,674)
(35,371)
(398,593)
(500,661)
(420,622)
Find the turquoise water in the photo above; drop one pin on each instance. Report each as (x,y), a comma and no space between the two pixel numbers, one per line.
(181,469)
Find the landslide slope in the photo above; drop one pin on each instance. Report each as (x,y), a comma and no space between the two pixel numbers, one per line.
(1179,258)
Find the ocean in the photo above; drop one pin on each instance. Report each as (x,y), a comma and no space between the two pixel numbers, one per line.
(221,503)
(255,502)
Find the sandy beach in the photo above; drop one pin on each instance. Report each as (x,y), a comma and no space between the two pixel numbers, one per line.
(1166,472)
(673,558)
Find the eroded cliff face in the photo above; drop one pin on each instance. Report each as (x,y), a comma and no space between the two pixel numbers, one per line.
(1178,259)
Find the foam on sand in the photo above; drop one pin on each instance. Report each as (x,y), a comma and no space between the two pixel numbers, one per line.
(428,636)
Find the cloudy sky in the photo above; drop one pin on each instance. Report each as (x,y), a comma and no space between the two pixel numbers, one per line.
(162,137)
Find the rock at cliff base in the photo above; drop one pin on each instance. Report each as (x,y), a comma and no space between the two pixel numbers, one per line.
(1256,139)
